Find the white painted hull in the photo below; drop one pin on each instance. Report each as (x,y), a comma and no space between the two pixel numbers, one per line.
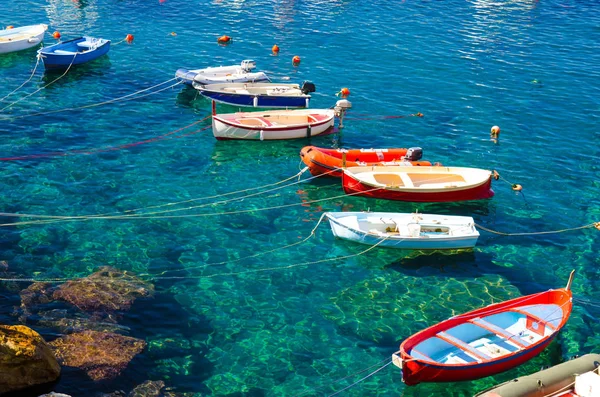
(13,40)
(394,230)
(262,126)
(205,78)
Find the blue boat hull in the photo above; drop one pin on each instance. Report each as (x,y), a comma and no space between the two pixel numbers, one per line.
(258,101)
(64,59)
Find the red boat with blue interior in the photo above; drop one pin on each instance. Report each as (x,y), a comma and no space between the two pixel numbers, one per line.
(485,341)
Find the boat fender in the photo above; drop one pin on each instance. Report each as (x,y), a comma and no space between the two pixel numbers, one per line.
(308,131)
(255,101)
(262,138)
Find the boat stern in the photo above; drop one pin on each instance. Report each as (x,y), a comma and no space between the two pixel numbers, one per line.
(397,359)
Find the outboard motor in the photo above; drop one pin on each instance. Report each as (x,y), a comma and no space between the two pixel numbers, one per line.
(308,87)
(413,154)
(248,65)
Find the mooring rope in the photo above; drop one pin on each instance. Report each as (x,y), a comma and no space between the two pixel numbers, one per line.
(275,268)
(587,302)
(142,216)
(344,378)
(39,89)
(110,148)
(360,380)
(152,277)
(371,117)
(37,62)
(49,218)
(588,226)
(128,97)
(312,233)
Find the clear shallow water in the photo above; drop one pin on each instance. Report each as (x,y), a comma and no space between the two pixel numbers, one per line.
(272,325)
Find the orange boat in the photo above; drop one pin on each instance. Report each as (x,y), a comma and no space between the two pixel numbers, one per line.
(322,161)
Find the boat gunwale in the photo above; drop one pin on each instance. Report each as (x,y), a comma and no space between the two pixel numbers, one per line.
(286,127)
(417,189)
(408,238)
(501,307)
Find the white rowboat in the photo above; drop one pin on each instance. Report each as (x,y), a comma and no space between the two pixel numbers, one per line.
(241,73)
(272,125)
(22,38)
(405,231)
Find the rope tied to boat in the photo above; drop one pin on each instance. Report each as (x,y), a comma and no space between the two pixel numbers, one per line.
(37,62)
(124,98)
(39,89)
(166,136)
(348,376)
(588,226)
(383,117)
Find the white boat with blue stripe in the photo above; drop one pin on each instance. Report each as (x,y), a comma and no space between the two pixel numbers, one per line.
(259,95)
(404,230)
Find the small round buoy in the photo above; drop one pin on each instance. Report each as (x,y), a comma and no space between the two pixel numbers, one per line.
(224,39)
(10,27)
(296,60)
(344,92)
(129,38)
(56,35)
(495,131)
(517,188)
(173,34)
(275,49)
(496,175)
(419,114)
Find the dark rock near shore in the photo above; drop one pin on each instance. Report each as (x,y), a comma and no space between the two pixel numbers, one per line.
(25,359)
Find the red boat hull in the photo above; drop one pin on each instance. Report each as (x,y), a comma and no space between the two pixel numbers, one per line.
(355,187)
(415,370)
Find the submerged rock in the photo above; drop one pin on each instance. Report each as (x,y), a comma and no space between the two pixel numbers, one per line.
(102,355)
(25,359)
(53,394)
(106,290)
(148,389)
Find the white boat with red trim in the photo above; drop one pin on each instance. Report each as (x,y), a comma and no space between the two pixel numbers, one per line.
(272,124)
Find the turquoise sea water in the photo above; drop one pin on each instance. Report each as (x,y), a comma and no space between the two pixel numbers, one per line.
(230,317)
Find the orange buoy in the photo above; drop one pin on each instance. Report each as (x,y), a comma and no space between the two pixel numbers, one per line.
(419,114)
(344,92)
(296,60)
(517,188)
(10,27)
(56,35)
(129,38)
(495,131)
(496,175)
(275,49)
(173,34)
(224,39)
